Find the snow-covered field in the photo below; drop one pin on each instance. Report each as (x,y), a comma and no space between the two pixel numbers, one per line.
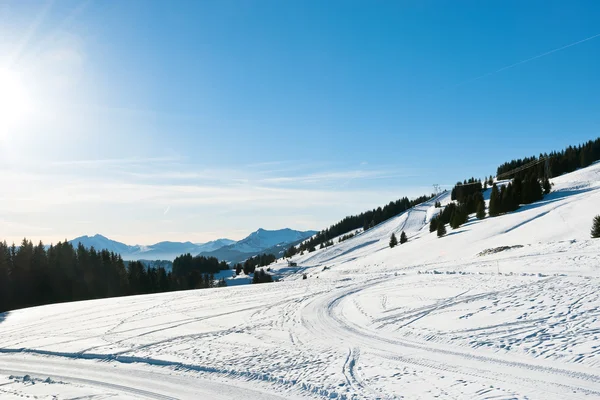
(445,318)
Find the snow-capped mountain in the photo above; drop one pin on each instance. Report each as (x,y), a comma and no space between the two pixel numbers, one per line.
(158,251)
(262,240)
(100,242)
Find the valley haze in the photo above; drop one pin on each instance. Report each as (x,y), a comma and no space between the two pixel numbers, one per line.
(232,251)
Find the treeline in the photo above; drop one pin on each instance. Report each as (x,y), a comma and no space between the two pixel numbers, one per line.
(186,263)
(363,220)
(567,160)
(32,275)
(249,266)
(261,276)
(453,214)
(520,191)
(505,199)
(346,237)
(464,189)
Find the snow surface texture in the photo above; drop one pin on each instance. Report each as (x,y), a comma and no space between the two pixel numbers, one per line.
(502,308)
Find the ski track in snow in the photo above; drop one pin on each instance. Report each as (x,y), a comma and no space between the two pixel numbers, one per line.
(431,318)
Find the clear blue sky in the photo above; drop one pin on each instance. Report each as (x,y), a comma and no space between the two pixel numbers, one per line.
(154,120)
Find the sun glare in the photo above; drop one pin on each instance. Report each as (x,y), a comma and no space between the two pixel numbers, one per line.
(14,101)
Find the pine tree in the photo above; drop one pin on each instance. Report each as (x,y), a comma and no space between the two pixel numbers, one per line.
(547,186)
(433,224)
(441,230)
(454,220)
(481,210)
(494,208)
(393,241)
(403,238)
(596,227)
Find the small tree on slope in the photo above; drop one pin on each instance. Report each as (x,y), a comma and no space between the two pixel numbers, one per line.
(403,238)
(441,229)
(393,241)
(494,208)
(433,224)
(481,210)
(596,227)
(547,186)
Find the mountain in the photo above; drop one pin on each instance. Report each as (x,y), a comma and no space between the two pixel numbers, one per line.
(100,242)
(261,241)
(158,251)
(215,244)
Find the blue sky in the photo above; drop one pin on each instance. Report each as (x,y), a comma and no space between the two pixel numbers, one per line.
(151,120)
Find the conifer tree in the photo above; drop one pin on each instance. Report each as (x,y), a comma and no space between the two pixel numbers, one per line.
(403,238)
(454,220)
(441,230)
(596,227)
(393,241)
(481,210)
(494,208)
(547,186)
(433,224)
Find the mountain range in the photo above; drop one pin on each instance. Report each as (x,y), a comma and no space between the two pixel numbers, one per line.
(261,241)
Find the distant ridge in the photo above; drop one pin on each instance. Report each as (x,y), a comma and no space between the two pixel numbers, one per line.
(274,241)
(258,242)
(158,251)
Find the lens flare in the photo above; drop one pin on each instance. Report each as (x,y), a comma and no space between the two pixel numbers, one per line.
(15,104)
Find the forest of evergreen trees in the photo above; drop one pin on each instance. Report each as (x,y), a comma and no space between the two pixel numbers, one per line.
(249,266)
(32,275)
(567,160)
(469,199)
(363,220)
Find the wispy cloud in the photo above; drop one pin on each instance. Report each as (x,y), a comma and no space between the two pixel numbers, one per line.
(547,53)
(131,196)
(116,161)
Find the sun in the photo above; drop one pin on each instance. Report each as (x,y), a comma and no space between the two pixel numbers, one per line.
(15,104)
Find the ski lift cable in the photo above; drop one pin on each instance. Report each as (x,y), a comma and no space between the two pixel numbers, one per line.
(522,168)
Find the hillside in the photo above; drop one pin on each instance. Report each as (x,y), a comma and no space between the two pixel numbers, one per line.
(505,307)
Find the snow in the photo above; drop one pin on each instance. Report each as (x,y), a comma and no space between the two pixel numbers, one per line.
(463,316)
(263,239)
(256,242)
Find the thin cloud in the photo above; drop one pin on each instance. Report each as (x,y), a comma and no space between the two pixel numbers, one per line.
(527,60)
(116,161)
(344,176)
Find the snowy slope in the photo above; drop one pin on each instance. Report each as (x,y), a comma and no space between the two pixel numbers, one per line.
(443,318)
